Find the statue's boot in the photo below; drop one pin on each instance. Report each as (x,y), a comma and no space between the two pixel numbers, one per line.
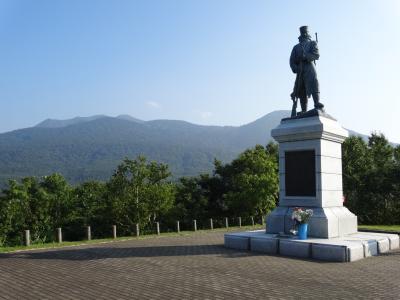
(317,103)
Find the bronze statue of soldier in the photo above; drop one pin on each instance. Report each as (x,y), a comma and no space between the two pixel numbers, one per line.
(302,63)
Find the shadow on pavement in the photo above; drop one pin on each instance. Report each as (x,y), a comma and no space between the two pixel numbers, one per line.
(94,253)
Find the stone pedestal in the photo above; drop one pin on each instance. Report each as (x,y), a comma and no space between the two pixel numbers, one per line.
(310,171)
(310,176)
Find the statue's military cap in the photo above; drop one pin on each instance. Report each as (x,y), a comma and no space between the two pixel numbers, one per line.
(304,30)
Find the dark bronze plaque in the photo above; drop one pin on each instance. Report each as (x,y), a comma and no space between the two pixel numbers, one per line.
(300,173)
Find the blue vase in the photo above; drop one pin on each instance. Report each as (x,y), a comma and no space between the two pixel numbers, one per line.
(303,231)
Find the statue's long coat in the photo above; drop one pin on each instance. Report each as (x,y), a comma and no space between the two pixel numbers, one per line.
(304,64)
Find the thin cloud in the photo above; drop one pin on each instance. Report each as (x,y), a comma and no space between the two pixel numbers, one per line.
(153,104)
(206,115)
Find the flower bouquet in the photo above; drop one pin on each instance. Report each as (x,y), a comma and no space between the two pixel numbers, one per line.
(301,217)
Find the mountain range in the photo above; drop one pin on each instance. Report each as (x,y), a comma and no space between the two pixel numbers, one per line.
(90,148)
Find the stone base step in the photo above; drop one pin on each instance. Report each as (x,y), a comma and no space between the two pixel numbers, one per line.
(349,248)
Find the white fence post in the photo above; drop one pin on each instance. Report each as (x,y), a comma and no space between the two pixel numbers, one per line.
(114,230)
(137,229)
(59,235)
(158,228)
(27,238)
(88,233)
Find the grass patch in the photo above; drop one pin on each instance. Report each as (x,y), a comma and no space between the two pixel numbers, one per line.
(119,239)
(380,227)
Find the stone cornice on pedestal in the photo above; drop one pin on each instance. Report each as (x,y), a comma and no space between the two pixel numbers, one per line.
(309,128)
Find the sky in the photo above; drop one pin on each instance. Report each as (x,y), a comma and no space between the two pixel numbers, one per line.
(217,62)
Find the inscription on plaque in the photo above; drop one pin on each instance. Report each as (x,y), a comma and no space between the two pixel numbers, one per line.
(300,173)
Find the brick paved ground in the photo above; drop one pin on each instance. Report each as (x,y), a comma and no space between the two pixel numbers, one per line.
(189,267)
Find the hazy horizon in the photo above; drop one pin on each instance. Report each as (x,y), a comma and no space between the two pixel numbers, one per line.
(147,120)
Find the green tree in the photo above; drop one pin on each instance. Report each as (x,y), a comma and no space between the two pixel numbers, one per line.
(90,208)
(13,203)
(251,182)
(381,185)
(396,154)
(26,205)
(371,179)
(191,200)
(356,165)
(382,153)
(139,192)
(59,193)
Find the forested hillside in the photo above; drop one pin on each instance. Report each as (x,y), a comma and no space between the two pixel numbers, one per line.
(90,148)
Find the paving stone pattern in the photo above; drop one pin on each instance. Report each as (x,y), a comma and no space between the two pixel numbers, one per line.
(189,267)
